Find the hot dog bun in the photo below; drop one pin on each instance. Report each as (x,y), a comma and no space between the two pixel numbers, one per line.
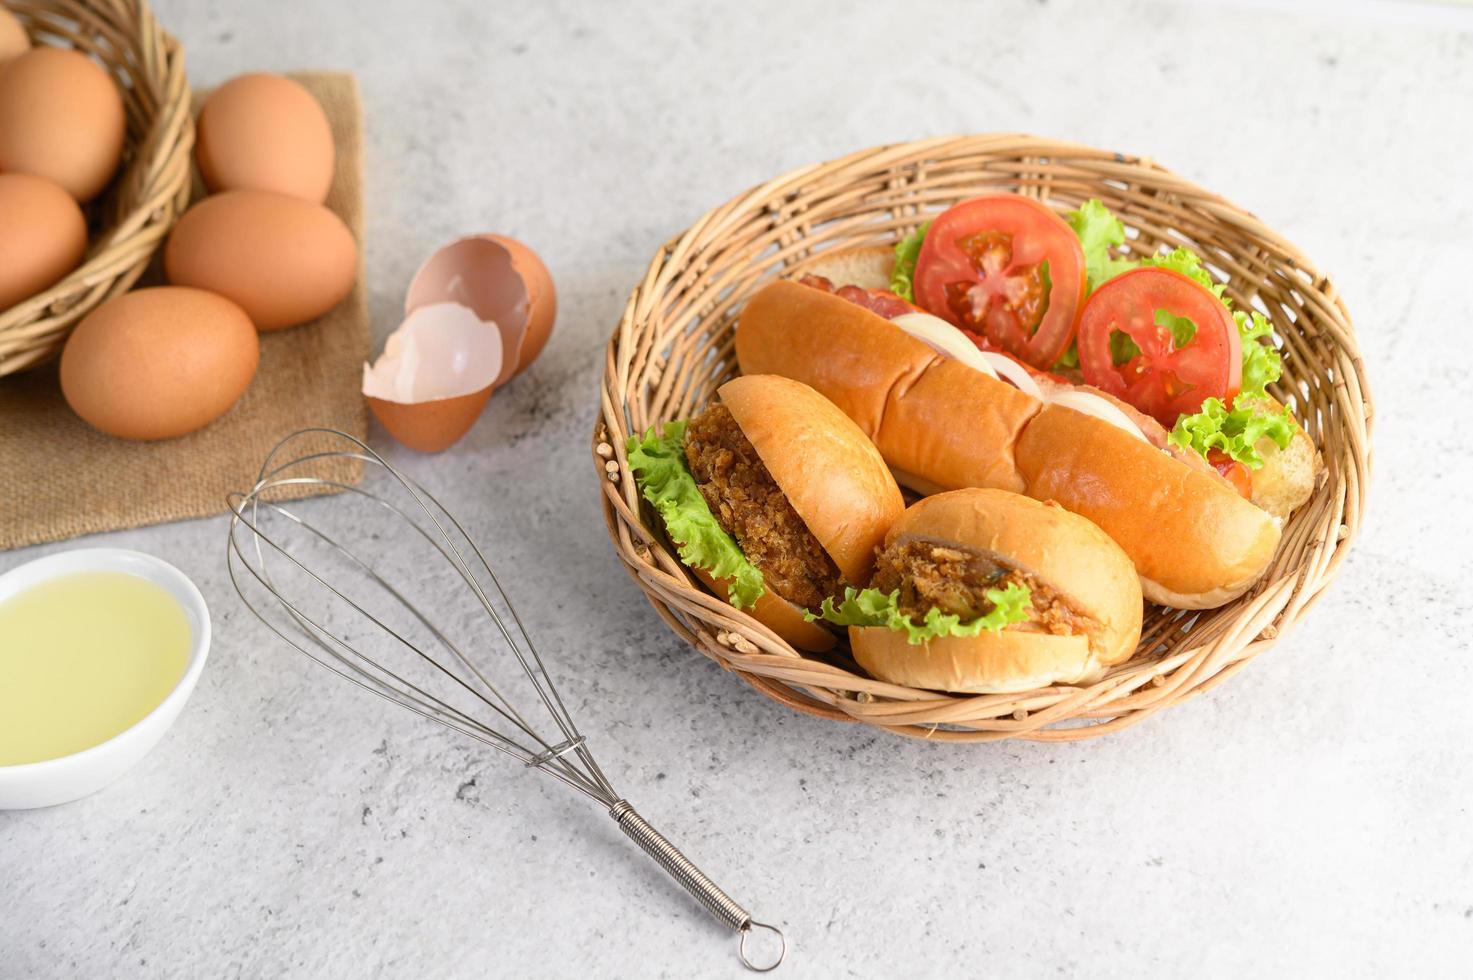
(942,426)
(1063,552)
(904,396)
(1195,542)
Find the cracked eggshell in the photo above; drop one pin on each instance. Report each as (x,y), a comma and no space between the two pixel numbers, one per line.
(504,282)
(434,376)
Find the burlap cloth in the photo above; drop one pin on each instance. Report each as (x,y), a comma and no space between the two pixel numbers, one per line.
(60,478)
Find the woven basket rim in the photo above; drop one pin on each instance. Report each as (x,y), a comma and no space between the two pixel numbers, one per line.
(152,188)
(693,280)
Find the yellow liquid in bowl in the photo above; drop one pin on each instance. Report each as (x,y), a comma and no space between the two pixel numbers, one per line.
(82,658)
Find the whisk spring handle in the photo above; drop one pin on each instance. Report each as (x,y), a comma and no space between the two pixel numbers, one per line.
(694,880)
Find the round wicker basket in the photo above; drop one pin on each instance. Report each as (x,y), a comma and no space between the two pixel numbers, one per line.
(132,217)
(674,346)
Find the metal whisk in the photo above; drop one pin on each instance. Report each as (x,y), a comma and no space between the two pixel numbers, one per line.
(321,590)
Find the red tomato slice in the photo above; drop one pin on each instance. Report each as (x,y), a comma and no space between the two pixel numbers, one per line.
(881,301)
(1163,380)
(981,267)
(1233,471)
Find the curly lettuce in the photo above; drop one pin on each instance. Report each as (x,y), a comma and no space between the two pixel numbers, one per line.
(664,478)
(871,607)
(1262,365)
(1234,431)
(907,251)
(1099,231)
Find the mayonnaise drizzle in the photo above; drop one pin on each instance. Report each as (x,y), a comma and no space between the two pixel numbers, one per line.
(947,340)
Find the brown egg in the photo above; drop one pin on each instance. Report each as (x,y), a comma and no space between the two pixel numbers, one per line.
(157,363)
(61,117)
(283,260)
(265,133)
(13,37)
(43,236)
(504,282)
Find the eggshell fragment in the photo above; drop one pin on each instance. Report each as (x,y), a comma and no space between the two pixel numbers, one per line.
(435,376)
(504,282)
(61,117)
(13,38)
(267,133)
(157,363)
(284,260)
(42,236)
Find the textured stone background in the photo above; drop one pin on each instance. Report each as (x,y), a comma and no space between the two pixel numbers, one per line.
(1309,818)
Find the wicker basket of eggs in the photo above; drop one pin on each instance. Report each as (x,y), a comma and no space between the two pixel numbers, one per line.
(259,252)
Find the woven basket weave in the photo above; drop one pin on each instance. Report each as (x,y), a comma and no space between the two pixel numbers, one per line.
(674,346)
(132,217)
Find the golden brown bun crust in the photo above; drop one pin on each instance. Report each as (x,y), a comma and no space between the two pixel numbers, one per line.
(1194,540)
(778,615)
(1003,663)
(935,419)
(1056,548)
(828,469)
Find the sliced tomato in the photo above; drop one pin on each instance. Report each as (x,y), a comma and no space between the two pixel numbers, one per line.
(1008,269)
(1160,378)
(1233,471)
(881,301)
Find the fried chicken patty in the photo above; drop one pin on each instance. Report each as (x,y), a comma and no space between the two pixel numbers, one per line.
(749,506)
(932,575)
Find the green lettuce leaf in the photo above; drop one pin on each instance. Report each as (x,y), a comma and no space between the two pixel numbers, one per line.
(1262,365)
(1099,231)
(1069,360)
(658,463)
(907,250)
(1123,348)
(871,607)
(1182,328)
(1234,431)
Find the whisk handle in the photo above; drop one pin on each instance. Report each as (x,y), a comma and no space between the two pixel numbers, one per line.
(694,880)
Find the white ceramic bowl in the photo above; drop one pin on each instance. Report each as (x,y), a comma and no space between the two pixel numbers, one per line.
(74,776)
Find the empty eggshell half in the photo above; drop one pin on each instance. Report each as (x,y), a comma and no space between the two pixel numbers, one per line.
(504,282)
(435,376)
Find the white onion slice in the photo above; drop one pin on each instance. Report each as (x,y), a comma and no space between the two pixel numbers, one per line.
(1092,404)
(1011,371)
(948,341)
(944,339)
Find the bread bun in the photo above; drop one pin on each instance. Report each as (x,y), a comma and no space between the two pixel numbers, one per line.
(778,615)
(831,473)
(1286,479)
(1062,551)
(867,268)
(1195,542)
(939,424)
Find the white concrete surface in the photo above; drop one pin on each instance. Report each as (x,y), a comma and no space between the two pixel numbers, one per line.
(1309,819)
